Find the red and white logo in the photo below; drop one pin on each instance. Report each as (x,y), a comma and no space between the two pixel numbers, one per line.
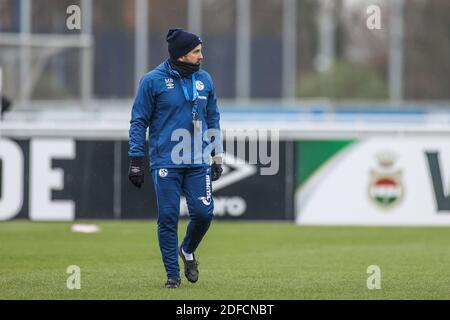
(386,188)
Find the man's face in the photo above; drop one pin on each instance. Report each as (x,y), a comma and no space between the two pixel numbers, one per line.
(194,56)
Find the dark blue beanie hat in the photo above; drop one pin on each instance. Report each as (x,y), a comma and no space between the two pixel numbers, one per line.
(181,42)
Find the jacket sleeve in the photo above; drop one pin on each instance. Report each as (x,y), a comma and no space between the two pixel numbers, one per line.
(141,113)
(213,121)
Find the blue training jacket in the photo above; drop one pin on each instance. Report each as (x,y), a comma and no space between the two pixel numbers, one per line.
(161,105)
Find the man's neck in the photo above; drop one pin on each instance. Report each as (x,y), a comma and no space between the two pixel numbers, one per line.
(185,69)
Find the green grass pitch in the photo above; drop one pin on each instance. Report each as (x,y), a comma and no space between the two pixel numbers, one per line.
(238,260)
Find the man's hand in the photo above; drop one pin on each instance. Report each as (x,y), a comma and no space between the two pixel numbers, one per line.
(136,171)
(216,171)
(216,168)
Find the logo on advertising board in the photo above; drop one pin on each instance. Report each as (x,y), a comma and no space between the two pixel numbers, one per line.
(234,171)
(386,188)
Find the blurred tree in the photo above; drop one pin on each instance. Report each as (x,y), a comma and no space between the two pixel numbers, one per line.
(427,49)
(344,81)
(358,71)
(306,35)
(7,21)
(360,55)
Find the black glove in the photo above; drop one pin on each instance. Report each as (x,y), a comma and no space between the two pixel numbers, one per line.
(136,171)
(216,171)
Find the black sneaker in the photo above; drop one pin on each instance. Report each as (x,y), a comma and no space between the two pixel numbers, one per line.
(173,283)
(190,267)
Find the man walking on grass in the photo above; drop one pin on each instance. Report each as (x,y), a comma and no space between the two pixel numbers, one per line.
(177,103)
